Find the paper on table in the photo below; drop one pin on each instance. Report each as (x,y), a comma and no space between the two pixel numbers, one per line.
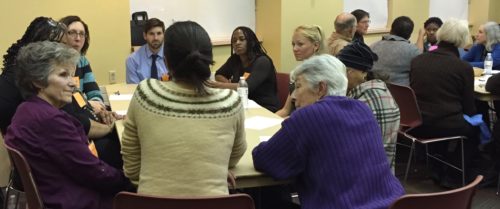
(121,112)
(259,122)
(252,104)
(264,138)
(121,97)
(482,80)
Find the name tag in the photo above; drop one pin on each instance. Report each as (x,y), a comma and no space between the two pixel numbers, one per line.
(165,77)
(246,75)
(79,99)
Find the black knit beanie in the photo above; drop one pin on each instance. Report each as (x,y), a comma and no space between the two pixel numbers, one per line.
(357,55)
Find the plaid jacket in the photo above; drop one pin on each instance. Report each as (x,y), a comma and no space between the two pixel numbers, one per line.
(376,95)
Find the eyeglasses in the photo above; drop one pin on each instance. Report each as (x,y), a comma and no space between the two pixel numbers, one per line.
(74,34)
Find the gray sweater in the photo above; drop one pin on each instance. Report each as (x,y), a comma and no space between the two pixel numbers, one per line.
(395,54)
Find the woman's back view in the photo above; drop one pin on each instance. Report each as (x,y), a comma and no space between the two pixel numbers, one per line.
(180,136)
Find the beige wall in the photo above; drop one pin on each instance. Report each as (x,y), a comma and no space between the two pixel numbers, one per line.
(323,12)
(275,22)
(108,24)
(482,11)
(477,14)
(494,15)
(268,27)
(299,12)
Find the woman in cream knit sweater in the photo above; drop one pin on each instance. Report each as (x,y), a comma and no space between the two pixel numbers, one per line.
(181,136)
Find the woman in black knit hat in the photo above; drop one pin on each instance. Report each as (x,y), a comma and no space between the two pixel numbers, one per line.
(362,85)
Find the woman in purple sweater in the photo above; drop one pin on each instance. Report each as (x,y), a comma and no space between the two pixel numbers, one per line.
(322,147)
(67,174)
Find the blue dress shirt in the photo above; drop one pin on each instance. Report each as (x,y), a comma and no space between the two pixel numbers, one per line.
(139,64)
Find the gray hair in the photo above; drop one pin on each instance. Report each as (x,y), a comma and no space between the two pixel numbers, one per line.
(36,60)
(492,31)
(455,32)
(314,33)
(326,68)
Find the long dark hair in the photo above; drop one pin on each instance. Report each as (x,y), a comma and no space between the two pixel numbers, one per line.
(40,29)
(188,51)
(254,48)
(68,20)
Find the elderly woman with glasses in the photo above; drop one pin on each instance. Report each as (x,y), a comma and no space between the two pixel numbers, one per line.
(54,143)
(327,141)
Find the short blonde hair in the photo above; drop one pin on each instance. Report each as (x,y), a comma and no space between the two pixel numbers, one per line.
(455,32)
(326,68)
(313,33)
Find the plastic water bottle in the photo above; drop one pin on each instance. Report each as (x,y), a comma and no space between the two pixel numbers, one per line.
(488,64)
(243,91)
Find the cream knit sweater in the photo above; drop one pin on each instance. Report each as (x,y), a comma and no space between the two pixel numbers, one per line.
(177,143)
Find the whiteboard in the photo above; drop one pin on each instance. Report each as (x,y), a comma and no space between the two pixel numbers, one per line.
(218,17)
(446,9)
(378,11)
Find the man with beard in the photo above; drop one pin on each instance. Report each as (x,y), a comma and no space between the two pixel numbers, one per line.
(147,62)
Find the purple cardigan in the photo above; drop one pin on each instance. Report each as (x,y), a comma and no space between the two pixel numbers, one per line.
(55,145)
(333,148)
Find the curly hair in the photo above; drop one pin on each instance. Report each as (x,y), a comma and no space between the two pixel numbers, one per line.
(40,29)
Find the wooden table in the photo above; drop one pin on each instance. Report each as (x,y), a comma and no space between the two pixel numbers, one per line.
(245,173)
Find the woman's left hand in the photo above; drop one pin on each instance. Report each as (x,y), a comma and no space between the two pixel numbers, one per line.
(97,106)
(118,117)
(231,179)
(106,117)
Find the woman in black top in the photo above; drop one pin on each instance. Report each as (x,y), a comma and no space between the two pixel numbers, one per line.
(40,29)
(249,59)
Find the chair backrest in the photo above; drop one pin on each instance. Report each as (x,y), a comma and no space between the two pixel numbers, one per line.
(23,169)
(408,106)
(4,164)
(460,198)
(283,80)
(127,200)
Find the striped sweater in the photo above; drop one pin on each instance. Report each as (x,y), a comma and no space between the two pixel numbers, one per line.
(333,149)
(88,85)
(177,143)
